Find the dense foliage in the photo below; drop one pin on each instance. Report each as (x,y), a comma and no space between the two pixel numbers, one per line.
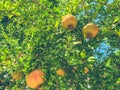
(32,37)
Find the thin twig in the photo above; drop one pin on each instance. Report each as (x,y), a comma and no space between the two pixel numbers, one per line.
(103,3)
(87,13)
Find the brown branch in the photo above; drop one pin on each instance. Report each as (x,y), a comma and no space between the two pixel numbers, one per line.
(103,3)
(86,12)
(39,4)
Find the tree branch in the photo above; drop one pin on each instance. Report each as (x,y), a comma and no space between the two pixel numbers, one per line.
(39,4)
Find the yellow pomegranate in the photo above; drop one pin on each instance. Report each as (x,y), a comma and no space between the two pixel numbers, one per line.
(60,72)
(86,70)
(16,75)
(35,78)
(69,21)
(90,30)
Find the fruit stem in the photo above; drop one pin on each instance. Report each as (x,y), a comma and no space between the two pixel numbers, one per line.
(38,87)
(89,35)
(70,27)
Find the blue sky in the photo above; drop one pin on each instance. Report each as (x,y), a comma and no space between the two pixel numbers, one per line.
(103,47)
(110,1)
(103,51)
